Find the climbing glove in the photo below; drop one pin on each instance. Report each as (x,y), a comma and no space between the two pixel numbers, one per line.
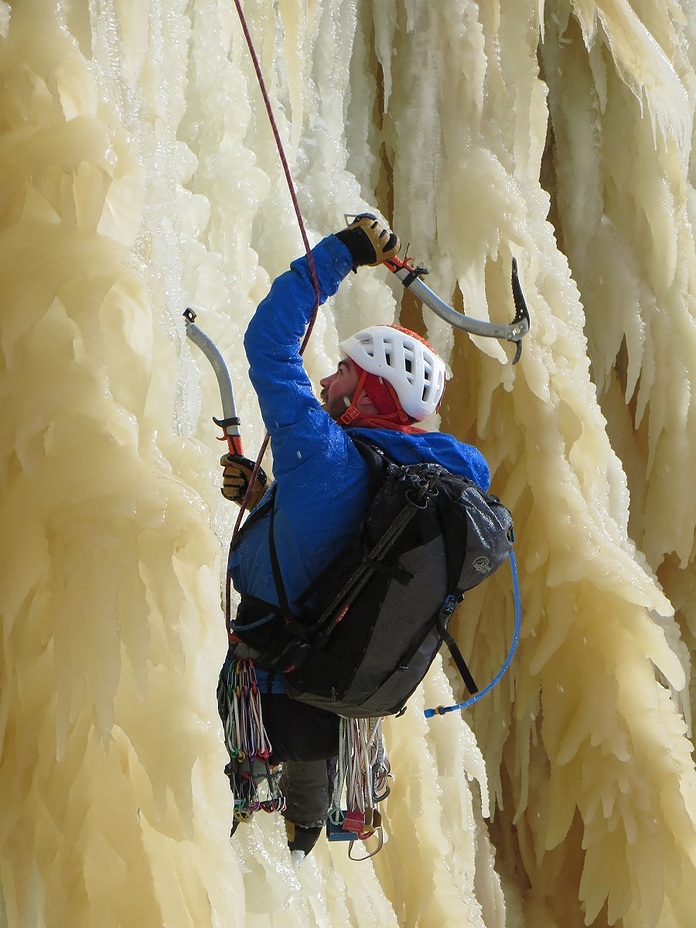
(236,474)
(368,241)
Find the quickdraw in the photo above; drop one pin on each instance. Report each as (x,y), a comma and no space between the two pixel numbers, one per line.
(363,776)
(254,782)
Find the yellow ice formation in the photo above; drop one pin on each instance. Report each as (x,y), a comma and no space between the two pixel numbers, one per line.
(138,173)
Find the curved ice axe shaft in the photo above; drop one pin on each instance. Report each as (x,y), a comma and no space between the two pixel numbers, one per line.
(514,331)
(230,421)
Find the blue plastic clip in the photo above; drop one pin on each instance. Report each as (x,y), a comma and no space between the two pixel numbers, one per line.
(335,832)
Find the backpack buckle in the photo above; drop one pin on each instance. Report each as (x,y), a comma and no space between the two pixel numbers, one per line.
(447,608)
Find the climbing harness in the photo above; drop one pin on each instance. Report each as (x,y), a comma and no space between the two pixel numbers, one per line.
(410,277)
(362,777)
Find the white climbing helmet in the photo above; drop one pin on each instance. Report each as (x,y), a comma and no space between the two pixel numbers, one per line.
(403,359)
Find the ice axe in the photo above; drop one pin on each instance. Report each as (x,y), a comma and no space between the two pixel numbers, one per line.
(230,422)
(410,277)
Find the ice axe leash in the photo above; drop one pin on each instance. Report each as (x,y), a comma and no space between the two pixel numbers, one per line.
(410,276)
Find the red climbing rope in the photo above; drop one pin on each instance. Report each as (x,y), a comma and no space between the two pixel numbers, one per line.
(286,168)
(305,240)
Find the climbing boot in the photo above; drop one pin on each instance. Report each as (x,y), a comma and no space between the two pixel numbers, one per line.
(301,839)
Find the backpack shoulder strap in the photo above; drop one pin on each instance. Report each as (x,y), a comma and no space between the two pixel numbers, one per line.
(258,513)
(377,461)
(275,565)
(375,458)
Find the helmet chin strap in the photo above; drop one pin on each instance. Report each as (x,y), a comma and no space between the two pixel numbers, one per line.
(352,412)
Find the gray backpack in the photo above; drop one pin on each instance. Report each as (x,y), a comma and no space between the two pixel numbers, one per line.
(361,638)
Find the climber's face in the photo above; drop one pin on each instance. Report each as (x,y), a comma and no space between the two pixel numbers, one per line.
(339,386)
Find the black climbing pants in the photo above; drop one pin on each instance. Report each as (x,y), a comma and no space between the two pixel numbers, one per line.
(305,741)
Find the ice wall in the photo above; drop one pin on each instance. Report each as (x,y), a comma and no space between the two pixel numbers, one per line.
(138,173)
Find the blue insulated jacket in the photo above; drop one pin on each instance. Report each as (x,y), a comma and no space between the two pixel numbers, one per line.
(321,479)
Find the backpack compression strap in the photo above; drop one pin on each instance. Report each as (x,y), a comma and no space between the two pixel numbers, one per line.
(441,710)
(448,607)
(451,601)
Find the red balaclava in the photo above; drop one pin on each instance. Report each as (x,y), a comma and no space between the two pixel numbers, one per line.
(390,414)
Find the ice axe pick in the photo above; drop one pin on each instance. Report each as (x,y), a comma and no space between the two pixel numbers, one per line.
(410,277)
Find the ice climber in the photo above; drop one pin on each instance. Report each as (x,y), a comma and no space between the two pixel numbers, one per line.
(387,380)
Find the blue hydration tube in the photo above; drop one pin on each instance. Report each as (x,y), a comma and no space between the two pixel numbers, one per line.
(441,710)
